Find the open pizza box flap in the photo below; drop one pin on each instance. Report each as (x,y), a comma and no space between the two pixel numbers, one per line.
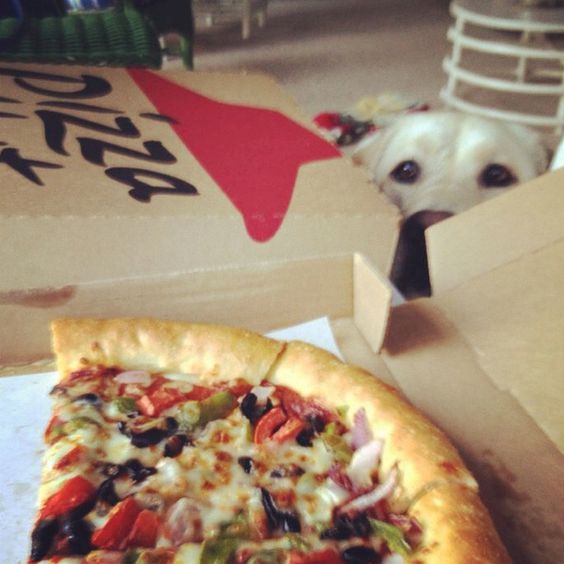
(484,356)
(114,173)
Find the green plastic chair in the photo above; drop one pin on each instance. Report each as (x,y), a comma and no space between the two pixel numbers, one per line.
(124,35)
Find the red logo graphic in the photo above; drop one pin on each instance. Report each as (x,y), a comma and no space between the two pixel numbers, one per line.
(252,154)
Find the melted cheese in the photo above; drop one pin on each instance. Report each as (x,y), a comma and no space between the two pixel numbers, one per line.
(207,472)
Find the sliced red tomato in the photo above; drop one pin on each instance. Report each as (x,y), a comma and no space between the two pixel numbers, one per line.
(49,435)
(155,403)
(71,457)
(268,424)
(114,533)
(323,556)
(145,529)
(75,492)
(159,398)
(198,393)
(289,430)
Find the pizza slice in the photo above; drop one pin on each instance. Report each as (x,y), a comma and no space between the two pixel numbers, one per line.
(173,443)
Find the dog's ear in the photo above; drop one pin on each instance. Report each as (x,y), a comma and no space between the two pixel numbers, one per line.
(533,141)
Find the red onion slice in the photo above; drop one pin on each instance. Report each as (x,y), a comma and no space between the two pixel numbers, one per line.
(134,377)
(381,491)
(339,475)
(361,433)
(183,523)
(363,463)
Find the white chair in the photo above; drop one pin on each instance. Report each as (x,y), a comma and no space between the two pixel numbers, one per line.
(526,41)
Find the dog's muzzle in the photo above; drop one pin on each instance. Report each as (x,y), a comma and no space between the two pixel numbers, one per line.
(410,271)
(426,218)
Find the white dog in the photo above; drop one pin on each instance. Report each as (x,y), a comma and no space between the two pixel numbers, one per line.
(436,164)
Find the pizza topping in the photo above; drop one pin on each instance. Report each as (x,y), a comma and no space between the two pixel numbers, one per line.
(145,432)
(323,556)
(125,406)
(113,534)
(289,430)
(219,550)
(273,481)
(336,443)
(284,471)
(107,493)
(381,491)
(246,463)
(253,409)
(88,398)
(346,527)
(183,523)
(42,537)
(155,403)
(74,494)
(144,530)
(194,414)
(286,521)
(364,462)
(134,377)
(361,554)
(270,422)
(70,458)
(361,433)
(393,536)
(174,445)
(77,535)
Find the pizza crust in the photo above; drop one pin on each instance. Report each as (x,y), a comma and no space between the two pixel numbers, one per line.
(435,486)
(422,452)
(214,352)
(458,530)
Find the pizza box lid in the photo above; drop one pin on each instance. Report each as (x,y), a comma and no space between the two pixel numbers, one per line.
(112,173)
(484,356)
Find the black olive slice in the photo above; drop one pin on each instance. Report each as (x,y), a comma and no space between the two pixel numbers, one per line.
(78,534)
(42,537)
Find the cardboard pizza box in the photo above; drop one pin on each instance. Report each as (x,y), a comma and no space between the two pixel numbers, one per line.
(114,173)
(481,357)
(484,356)
(347,288)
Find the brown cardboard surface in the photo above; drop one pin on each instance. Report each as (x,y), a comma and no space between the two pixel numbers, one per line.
(520,471)
(496,232)
(65,220)
(513,317)
(260,297)
(484,358)
(425,357)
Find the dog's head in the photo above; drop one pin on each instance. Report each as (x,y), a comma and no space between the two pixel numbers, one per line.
(436,164)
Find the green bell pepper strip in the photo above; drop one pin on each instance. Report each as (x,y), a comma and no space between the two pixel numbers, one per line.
(393,536)
(194,414)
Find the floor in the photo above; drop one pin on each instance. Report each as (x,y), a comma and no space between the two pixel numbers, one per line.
(330,53)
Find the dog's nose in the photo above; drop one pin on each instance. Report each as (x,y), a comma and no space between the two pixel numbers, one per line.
(426,218)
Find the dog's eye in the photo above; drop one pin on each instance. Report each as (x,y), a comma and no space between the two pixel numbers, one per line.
(497,176)
(407,172)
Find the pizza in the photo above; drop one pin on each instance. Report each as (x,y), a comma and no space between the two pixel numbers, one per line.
(173,443)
